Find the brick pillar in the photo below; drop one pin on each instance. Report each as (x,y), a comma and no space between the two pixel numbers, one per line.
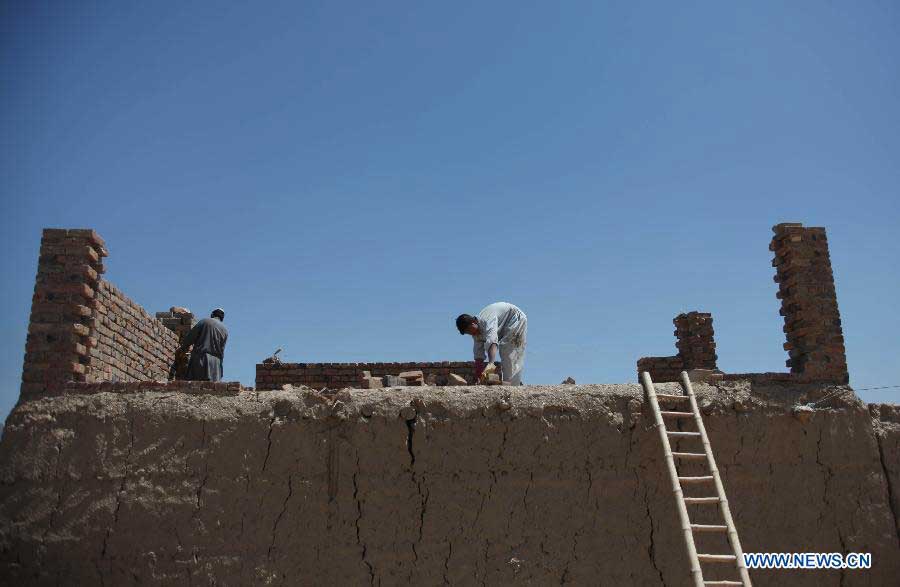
(696,344)
(180,321)
(812,323)
(696,349)
(57,349)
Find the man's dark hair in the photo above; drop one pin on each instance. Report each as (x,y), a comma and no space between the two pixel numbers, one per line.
(217,313)
(463,321)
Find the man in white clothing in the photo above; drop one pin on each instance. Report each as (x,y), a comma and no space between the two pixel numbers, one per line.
(499,327)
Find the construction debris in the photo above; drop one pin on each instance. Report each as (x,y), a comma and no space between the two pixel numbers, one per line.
(372,383)
(415,378)
(454,379)
(705,375)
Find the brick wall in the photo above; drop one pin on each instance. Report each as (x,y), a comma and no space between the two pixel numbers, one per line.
(812,322)
(131,344)
(695,341)
(661,368)
(338,375)
(84,329)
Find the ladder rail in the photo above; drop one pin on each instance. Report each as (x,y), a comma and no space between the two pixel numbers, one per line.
(717,480)
(696,572)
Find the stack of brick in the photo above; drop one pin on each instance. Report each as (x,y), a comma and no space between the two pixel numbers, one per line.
(60,342)
(695,341)
(180,321)
(341,375)
(812,322)
(414,378)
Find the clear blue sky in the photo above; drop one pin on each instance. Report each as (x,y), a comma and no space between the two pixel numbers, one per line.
(345,178)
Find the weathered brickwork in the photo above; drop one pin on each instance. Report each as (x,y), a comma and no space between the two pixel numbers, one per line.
(695,341)
(84,329)
(661,368)
(192,387)
(339,375)
(131,345)
(812,322)
(59,342)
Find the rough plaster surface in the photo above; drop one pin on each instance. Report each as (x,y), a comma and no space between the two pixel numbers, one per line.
(469,485)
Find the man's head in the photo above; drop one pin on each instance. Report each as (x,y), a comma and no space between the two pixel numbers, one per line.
(218,313)
(467,324)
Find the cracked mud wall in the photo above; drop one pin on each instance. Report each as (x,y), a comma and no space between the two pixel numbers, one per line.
(472,485)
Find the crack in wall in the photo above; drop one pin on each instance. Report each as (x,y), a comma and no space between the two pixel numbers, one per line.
(359,515)
(280,515)
(269,441)
(121,491)
(891,490)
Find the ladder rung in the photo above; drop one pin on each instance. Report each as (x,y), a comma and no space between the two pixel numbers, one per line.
(672,397)
(689,455)
(685,434)
(704,479)
(708,528)
(678,414)
(722,583)
(701,500)
(716,558)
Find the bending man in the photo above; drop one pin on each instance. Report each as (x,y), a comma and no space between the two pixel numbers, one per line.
(499,327)
(208,337)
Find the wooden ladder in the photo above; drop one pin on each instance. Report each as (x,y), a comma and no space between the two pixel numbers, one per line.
(737,556)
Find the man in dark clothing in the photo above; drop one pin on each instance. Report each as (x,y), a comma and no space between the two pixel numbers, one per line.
(208,337)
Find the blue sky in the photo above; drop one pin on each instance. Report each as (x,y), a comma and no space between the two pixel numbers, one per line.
(345,178)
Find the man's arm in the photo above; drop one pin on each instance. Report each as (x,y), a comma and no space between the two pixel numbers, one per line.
(491,339)
(492,353)
(190,338)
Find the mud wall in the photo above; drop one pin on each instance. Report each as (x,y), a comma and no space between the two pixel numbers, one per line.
(498,485)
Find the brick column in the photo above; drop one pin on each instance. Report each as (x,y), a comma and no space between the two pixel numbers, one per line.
(180,321)
(696,344)
(696,349)
(812,323)
(57,349)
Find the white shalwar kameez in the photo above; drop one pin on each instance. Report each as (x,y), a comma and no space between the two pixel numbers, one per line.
(506,326)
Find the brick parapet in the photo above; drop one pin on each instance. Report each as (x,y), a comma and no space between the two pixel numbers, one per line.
(341,375)
(661,369)
(131,345)
(190,387)
(812,322)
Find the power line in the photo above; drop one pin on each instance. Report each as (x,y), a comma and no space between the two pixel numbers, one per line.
(873,388)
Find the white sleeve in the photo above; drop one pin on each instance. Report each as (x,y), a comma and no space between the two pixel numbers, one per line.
(490,334)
